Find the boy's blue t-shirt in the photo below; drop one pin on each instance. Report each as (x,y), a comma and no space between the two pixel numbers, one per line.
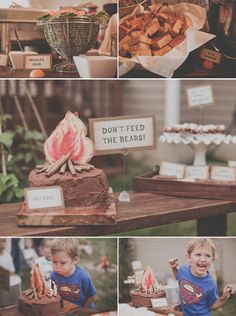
(196,294)
(76,288)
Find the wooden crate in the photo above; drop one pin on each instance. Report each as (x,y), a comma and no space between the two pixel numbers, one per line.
(218,191)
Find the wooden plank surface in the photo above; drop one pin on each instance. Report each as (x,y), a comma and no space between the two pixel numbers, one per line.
(144,210)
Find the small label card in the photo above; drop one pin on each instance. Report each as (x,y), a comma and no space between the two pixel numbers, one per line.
(222,173)
(138,276)
(136,265)
(196,172)
(172,169)
(45,198)
(159,302)
(232,163)
(201,95)
(210,55)
(38,61)
(3,59)
(4,279)
(132,132)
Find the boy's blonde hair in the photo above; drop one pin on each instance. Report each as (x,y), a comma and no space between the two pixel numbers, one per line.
(200,242)
(68,245)
(45,240)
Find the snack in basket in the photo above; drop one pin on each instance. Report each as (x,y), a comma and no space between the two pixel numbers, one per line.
(39,300)
(149,289)
(67,152)
(155,33)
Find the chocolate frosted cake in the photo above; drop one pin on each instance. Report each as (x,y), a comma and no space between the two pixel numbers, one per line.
(148,290)
(83,189)
(39,300)
(40,307)
(67,152)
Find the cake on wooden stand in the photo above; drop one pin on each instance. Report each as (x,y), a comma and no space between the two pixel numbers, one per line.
(39,300)
(149,289)
(88,198)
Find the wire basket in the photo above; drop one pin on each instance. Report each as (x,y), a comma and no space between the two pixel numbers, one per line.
(70,37)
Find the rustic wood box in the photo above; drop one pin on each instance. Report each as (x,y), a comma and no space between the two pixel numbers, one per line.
(217,190)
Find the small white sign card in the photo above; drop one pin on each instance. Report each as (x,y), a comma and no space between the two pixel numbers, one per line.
(199,96)
(159,302)
(222,173)
(4,279)
(138,276)
(172,169)
(133,132)
(44,199)
(196,172)
(136,265)
(3,59)
(39,61)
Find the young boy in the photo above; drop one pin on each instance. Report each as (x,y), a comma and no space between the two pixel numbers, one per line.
(74,283)
(198,291)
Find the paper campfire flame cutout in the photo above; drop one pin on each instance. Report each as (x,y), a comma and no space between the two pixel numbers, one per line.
(38,288)
(148,281)
(68,147)
(38,282)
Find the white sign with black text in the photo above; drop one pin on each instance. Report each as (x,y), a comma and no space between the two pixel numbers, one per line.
(45,198)
(172,169)
(196,172)
(159,302)
(201,95)
(38,61)
(113,134)
(222,173)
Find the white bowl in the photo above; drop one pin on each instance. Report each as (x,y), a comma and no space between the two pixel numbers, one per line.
(17,58)
(96,66)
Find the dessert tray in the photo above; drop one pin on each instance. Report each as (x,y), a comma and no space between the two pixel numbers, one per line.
(201,189)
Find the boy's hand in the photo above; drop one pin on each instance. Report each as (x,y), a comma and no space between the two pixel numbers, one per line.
(173,262)
(228,290)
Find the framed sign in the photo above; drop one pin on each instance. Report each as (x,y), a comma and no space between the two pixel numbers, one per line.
(133,132)
(44,198)
(3,59)
(4,279)
(201,95)
(39,61)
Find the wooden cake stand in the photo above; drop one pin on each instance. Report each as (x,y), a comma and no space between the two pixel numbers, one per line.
(69,216)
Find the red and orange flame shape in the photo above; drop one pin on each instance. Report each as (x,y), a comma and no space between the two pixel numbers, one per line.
(38,282)
(148,281)
(69,136)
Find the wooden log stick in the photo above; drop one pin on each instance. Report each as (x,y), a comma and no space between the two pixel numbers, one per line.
(58,164)
(63,169)
(87,166)
(41,166)
(42,169)
(28,292)
(71,167)
(78,169)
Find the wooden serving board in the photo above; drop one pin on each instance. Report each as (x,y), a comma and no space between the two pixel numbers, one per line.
(200,190)
(75,216)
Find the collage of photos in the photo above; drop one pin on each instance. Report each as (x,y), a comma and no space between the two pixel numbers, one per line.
(117,158)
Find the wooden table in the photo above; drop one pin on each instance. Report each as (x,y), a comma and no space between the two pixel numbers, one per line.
(144,210)
(8,72)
